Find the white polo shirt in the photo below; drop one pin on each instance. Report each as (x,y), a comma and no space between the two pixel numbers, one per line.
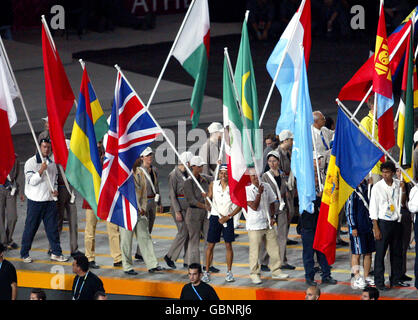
(37,187)
(258,219)
(221,202)
(384,201)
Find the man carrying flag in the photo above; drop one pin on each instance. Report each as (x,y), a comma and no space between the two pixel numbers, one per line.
(352,157)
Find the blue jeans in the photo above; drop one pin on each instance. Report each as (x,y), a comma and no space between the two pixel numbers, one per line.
(308,234)
(45,211)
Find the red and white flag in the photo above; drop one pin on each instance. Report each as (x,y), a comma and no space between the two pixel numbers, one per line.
(8,118)
(59,97)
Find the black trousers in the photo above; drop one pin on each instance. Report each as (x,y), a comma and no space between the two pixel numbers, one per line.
(391,232)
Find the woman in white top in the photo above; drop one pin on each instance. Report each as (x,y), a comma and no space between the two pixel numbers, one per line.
(220,222)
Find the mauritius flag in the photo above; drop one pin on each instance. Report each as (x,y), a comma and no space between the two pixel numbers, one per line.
(84,168)
(353,156)
(382,86)
(192,51)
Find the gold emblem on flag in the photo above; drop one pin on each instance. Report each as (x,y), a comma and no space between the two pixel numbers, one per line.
(332,186)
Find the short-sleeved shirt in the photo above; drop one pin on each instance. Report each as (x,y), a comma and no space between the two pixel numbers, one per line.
(205,291)
(7,277)
(258,220)
(84,288)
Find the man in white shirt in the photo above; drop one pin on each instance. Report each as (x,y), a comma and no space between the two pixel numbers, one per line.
(260,219)
(322,137)
(41,202)
(413,208)
(386,217)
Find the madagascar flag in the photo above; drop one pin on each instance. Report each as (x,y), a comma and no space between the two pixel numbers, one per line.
(353,156)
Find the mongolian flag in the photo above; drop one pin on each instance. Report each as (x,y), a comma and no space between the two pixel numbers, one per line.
(353,156)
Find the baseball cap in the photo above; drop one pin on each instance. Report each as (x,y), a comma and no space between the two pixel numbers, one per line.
(146,152)
(197,161)
(223,167)
(285,134)
(215,127)
(273,153)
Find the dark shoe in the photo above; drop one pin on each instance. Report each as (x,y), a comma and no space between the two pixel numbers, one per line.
(310,282)
(77,253)
(291,242)
(236,235)
(382,288)
(49,252)
(117,264)
(93,265)
(287,267)
(131,272)
(169,262)
(329,280)
(12,246)
(185,265)
(138,257)
(265,268)
(212,269)
(399,284)
(156,269)
(317,270)
(405,278)
(342,243)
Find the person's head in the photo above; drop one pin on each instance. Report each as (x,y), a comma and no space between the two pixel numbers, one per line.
(185,157)
(196,163)
(319,119)
(37,294)
(46,123)
(388,169)
(147,156)
(223,173)
(80,264)
(269,140)
(2,251)
(286,139)
(370,103)
(370,293)
(195,273)
(313,293)
(100,295)
(273,160)
(329,123)
(45,146)
(253,177)
(215,130)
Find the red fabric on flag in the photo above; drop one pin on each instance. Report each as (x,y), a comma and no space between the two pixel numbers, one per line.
(59,98)
(358,86)
(305,20)
(7,152)
(325,235)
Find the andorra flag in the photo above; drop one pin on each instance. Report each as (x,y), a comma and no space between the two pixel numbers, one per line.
(353,156)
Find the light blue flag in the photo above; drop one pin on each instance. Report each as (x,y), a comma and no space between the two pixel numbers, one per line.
(302,154)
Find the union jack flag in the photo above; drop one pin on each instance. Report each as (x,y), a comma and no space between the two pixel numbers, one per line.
(131,130)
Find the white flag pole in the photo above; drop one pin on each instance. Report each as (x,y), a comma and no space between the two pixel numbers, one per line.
(26,113)
(302,5)
(170,53)
(371,138)
(166,137)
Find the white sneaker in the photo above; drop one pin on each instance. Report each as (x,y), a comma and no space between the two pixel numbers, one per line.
(206,277)
(280,276)
(255,278)
(370,281)
(28,260)
(229,277)
(60,258)
(359,283)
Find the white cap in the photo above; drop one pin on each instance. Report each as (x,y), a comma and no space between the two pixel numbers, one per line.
(186,156)
(273,153)
(416,136)
(197,161)
(315,154)
(215,127)
(285,134)
(45,119)
(146,152)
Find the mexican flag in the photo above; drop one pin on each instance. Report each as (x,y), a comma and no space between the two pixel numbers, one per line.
(192,51)
(237,179)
